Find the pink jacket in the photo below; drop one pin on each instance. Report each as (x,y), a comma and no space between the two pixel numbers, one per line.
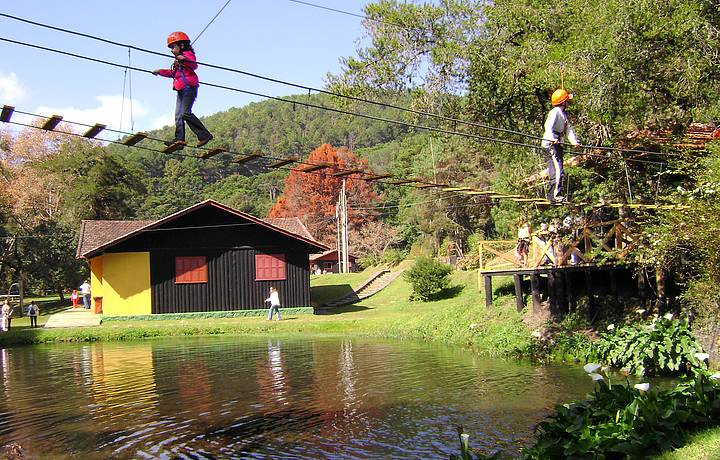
(186,69)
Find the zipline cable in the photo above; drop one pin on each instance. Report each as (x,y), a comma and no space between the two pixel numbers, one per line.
(320,107)
(322,91)
(211,21)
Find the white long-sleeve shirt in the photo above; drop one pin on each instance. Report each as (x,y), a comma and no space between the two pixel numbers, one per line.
(557,126)
(274,298)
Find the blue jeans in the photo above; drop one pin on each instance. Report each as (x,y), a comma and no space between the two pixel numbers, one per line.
(183,114)
(276,309)
(86,301)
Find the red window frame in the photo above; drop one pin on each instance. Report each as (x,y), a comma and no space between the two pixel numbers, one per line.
(270,267)
(190,269)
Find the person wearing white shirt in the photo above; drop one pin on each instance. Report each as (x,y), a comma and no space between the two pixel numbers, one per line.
(85,293)
(274,300)
(557,127)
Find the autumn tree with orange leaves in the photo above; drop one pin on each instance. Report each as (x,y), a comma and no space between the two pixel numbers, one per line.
(312,196)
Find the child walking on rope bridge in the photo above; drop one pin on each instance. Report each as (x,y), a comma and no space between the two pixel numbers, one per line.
(186,83)
(557,126)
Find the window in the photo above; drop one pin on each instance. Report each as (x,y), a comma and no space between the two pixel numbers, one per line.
(190,269)
(269,267)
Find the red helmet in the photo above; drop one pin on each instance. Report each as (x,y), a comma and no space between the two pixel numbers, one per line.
(560,96)
(177,37)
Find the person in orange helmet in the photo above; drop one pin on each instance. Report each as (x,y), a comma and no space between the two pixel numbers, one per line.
(557,127)
(185,82)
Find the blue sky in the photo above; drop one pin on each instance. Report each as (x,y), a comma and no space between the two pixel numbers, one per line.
(275,38)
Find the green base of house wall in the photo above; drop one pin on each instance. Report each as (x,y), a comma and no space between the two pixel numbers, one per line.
(210,314)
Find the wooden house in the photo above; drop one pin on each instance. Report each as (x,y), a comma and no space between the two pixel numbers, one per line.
(328,262)
(208,257)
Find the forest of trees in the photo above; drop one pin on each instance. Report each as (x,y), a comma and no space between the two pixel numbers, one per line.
(635,67)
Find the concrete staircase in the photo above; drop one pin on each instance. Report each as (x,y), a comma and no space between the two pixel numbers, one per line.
(375,283)
(74,317)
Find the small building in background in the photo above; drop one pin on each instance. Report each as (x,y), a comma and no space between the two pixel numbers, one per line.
(328,262)
(208,257)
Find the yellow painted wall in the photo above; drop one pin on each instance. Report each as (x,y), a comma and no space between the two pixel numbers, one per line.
(126,284)
(96,278)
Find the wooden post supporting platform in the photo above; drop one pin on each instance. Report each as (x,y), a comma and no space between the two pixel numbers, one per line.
(590,294)
(642,290)
(519,303)
(572,299)
(488,291)
(561,290)
(535,288)
(614,288)
(660,279)
(552,292)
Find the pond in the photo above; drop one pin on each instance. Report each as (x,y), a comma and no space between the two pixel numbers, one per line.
(208,398)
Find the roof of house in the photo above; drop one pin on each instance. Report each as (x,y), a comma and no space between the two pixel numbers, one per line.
(327,253)
(98,235)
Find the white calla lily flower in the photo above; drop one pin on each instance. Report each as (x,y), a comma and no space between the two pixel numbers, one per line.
(640,311)
(702,356)
(596,377)
(642,386)
(610,327)
(668,316)
(715,376)
(591,367)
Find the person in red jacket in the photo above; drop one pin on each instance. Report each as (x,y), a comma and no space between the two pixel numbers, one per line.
(185,82)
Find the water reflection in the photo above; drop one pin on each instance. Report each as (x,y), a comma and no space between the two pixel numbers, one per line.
(267,398)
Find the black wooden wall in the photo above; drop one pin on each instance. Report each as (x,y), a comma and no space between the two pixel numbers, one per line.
(229,244)
(231,283)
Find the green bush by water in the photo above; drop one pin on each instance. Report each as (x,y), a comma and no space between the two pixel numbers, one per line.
(663,346)
(619,421)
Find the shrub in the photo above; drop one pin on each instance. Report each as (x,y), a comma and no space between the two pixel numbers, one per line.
(663,346)
(428,278)
(392,257)
(617,421)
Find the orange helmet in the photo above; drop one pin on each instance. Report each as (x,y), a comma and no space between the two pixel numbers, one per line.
(560,96)
(177,37)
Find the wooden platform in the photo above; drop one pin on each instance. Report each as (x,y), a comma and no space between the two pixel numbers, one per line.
(74,317)
(559,259)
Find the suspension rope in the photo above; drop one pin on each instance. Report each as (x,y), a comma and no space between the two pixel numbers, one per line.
(335,110)
(487,196)
(321,91)
(211,21)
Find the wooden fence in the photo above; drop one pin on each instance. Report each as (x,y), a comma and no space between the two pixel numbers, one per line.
(581,246)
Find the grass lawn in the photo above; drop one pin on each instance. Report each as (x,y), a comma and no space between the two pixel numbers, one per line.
(459,318)
(704,445)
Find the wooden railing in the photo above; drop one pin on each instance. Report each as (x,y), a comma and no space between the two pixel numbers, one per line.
(546,249)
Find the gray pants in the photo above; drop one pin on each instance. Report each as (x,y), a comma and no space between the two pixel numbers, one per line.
(276,309)
(555,171)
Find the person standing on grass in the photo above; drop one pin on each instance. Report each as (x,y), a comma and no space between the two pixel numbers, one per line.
(32,311)
(5,313)
(274,300)
(85,293)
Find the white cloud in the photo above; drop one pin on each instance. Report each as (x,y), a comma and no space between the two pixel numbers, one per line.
(165,120)
(11,90)
(109,112)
